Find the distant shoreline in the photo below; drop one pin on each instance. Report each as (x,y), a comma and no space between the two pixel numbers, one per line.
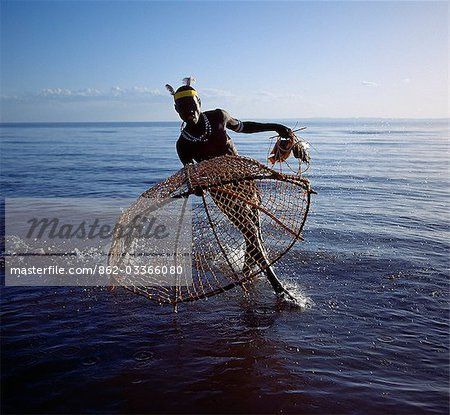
(175,122)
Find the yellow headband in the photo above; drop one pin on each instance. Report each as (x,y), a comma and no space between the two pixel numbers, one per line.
(187,93)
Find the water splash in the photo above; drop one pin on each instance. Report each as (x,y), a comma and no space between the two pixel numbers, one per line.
(297,296)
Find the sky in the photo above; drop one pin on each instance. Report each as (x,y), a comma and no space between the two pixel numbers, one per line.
(67,61)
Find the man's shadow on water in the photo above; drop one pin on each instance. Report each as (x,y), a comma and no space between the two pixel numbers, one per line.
(227,354)
(248,371)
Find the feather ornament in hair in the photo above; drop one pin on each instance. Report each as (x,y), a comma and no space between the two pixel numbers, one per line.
(188,81)
(170,89)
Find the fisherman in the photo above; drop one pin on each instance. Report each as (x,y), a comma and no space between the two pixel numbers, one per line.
(204,136)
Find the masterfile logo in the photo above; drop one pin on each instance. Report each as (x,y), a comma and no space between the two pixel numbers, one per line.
(97,242)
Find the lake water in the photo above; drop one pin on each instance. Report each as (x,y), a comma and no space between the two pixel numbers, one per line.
(374,269)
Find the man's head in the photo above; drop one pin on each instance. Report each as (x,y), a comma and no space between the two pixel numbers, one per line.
(187,102)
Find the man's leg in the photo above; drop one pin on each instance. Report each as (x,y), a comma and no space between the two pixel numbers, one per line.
(255,253)
(246,219)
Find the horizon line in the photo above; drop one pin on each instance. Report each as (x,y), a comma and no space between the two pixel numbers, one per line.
(256,119)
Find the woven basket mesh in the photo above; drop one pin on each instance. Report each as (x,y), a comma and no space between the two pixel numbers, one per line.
(246,218)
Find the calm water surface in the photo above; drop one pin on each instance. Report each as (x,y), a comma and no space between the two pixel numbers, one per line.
(373,270)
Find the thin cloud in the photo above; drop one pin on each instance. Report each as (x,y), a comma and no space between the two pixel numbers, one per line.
(136,91)
(216,93)
(271,96)
(89,94)
(211,93)
(369,83)
(61,92)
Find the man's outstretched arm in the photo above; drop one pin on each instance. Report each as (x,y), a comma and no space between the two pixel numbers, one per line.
(249,127)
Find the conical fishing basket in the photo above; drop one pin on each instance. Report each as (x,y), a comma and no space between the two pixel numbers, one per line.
(243,218)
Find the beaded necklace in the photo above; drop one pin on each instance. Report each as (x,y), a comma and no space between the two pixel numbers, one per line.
(204,137)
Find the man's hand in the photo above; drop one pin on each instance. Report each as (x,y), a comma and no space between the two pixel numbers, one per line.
(284,132)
